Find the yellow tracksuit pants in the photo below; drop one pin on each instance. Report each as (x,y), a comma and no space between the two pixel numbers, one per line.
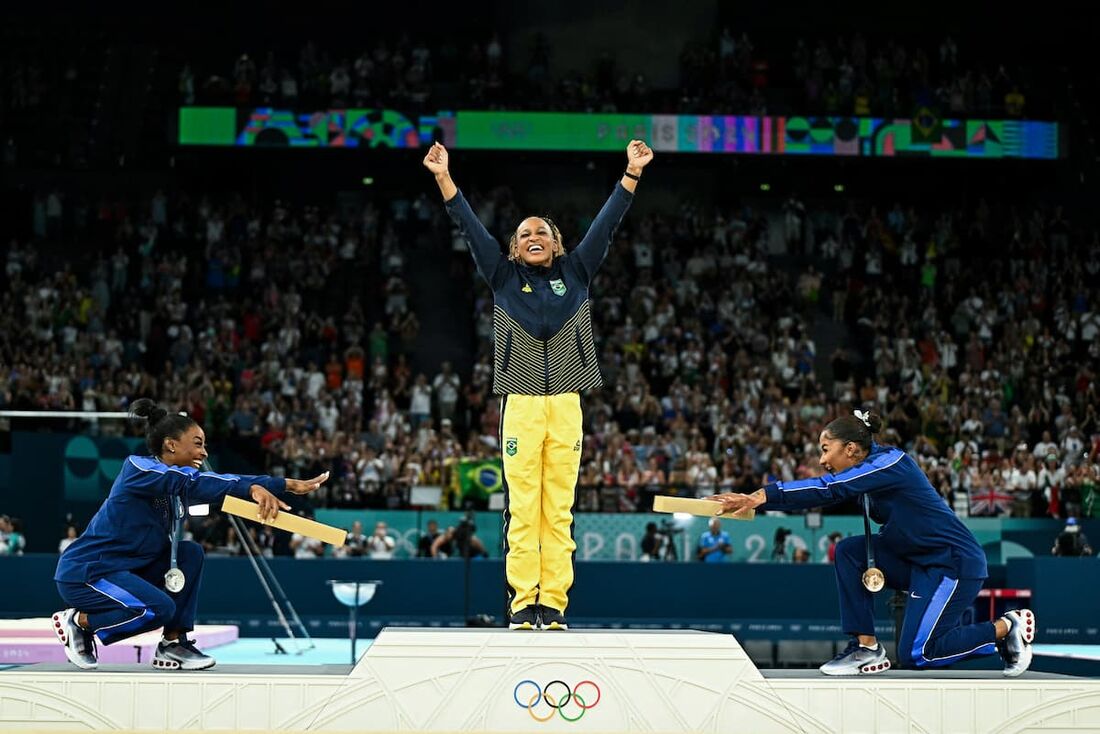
(540,438)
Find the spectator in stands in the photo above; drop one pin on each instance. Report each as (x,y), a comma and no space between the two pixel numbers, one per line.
(355,544)
(420,403)
(12,541)
(450,544)
(427,539)
(834,538)
(1071,541)
(70,535)
(305,547)
(381,544)
(446,386)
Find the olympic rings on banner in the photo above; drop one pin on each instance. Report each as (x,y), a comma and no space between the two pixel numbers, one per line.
(553,701)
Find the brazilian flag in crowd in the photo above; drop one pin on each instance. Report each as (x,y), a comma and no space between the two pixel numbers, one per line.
(479,478)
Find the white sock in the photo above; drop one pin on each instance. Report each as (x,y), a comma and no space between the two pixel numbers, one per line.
(869,647)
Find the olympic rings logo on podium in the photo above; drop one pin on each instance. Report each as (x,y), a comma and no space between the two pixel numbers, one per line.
(559,701)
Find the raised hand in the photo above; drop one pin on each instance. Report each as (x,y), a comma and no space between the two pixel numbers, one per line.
(305,486)
(437,159)
(638,154)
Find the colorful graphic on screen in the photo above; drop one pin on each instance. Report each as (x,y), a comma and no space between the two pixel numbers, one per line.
(923,135)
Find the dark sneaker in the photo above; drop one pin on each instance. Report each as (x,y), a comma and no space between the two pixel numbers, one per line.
(181,654)
(857,660)
(552,619)
(79,643)
(1015,647)
(525,619)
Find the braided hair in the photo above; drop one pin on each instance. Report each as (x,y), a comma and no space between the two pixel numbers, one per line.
(558,249)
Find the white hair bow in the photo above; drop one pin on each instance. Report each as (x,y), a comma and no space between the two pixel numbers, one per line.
(864,416)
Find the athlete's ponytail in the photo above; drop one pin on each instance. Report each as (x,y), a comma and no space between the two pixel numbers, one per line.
(858,428)
(159,423)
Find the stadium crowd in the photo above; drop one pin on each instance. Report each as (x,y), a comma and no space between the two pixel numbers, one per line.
(727,74)
(266,324)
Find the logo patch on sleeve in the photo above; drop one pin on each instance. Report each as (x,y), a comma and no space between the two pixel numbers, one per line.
(511,445)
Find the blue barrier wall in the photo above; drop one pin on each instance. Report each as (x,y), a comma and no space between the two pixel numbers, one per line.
(751,600)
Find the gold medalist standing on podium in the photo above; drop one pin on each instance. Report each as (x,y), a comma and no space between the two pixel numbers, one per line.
(544,355)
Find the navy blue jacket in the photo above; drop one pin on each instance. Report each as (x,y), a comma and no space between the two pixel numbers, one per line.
(917,524)
(132,528)
(542,325)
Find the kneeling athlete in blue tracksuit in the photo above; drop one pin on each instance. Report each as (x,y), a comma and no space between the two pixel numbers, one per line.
(922,548)
(113,576)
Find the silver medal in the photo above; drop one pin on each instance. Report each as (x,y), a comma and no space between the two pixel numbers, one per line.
(174,580)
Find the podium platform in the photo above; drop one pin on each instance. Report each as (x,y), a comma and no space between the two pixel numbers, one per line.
(457,680)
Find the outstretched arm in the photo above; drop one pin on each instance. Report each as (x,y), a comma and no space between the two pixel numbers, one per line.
(592,250)
(483,246)
(828,489)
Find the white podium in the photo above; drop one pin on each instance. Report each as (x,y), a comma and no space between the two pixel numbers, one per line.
(459,680)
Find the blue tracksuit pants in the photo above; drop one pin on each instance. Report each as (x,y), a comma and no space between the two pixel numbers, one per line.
(127,603)
(932,634)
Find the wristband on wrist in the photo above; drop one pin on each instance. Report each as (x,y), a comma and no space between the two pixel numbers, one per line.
(628,174)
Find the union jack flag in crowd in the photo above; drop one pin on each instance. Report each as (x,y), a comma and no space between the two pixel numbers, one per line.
(989,501)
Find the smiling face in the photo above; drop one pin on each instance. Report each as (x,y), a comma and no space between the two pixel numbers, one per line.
(187,450)
(535,242)
(837,455)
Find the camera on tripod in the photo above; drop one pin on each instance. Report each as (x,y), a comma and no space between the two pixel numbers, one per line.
(464,530)
(779,551)
(669,528)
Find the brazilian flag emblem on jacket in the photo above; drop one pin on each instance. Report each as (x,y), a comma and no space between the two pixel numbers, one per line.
(511,445)
(558,287)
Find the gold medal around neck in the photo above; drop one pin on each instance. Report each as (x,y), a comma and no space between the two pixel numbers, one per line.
(174,580)
(874,580)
